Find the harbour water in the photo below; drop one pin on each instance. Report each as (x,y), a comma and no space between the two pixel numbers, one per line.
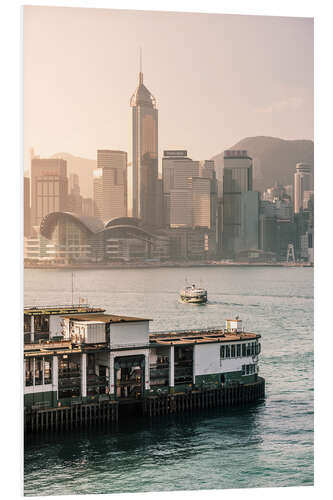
(266,445)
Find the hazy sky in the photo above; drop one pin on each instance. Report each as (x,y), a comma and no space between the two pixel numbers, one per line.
(217,78)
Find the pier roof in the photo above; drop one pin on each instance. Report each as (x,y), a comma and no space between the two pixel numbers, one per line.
(104,318)
(63,309)
(200,337)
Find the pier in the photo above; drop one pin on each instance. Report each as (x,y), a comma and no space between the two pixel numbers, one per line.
(84,367)
(38,419)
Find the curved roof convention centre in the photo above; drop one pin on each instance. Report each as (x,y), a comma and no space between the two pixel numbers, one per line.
(89,223)
(130,226)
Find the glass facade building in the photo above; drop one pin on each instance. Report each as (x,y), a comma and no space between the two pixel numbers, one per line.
(110,184)
(49,187)
(145,155)
(237,181)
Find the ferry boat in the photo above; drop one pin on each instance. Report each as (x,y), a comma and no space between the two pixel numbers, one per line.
(82,364)
(194,295)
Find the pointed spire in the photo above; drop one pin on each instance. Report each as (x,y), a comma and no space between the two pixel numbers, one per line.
(140,74)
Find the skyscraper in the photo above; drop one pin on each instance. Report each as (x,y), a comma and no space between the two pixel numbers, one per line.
(110,184)
(240,207)
(177,172)
(187,191)
(49,187)
(302,182)
(207,170)
(145,154)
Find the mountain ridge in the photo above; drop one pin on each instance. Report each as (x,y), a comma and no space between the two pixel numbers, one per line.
(274,159)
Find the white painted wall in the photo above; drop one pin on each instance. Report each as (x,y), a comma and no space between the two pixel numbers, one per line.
(92,332)
(122,334)
(95,333)
(207,360)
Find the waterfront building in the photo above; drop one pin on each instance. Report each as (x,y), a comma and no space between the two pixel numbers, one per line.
(79,362)
(188,190)
(130,239)
(74,238)
(87,239)
(38,248)
(302,182)
(201,202)
(27,207)
(110,184)
(286,234)
(207,170)
(49,187)
(304,222)
(267,233)
(145,202)
(177,170)
(193,244)
(249,227)
(190,205)
(240,211)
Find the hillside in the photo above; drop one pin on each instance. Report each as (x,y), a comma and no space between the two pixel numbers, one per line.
(274,159)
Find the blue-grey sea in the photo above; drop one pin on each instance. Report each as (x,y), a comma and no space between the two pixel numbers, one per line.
(265,445)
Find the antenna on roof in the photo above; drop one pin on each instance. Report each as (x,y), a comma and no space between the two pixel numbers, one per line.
(140,62)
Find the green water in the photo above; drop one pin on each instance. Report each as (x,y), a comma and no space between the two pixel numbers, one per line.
(269,444)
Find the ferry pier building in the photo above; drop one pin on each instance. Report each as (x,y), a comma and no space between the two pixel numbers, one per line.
(83,365)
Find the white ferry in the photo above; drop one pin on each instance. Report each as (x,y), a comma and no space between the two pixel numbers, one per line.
(194,295)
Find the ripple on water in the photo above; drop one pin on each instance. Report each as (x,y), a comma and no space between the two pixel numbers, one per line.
(267,445)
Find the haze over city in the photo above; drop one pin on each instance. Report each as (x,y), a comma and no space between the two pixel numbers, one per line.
(216,78)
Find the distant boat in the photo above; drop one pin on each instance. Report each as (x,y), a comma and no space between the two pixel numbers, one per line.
(194,295)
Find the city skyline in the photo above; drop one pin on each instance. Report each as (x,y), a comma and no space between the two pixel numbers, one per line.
(268,92)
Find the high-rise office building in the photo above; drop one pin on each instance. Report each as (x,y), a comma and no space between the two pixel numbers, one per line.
(201,202)
(302,183)
(207,170)
(110,184)
(240,209)
(188,187)
(145,155)
(27,209)
(49,187)
(177,172)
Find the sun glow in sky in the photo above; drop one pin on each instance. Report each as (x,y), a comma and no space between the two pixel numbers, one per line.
(216,78)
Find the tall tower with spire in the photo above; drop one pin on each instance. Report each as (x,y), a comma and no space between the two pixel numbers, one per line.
(145,153)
